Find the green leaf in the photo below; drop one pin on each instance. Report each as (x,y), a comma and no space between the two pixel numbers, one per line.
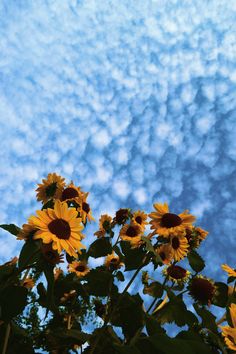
(100,282)
(100,248)
(133,257)
(165,345)
(208,319)
(13,229)
(153,326)
(155,289)
(221,297)
(13,300)
(72,334)
(175,311)
(29,254)
(128,313)
(149,248)
(196,262)
(48,271)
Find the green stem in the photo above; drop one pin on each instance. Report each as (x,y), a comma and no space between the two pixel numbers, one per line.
(8,329)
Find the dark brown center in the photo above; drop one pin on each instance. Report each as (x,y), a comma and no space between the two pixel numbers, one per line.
(170,220)
(176,272)
(202,290)
(60,228)
(86,207)
(69,193)
(80,268)
(114,260)
(175,243)
(51,189)
(138,219)
(131,231)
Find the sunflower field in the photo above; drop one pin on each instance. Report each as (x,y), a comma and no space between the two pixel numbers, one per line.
(125,293)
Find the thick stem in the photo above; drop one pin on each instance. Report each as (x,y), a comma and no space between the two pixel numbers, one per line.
(8,329)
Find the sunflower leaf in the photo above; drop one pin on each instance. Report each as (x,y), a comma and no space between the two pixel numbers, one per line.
(100,248)
(29,253)
(221,297)
(208,319)
(13,300)
(196,262)
(13,229)
(155,289)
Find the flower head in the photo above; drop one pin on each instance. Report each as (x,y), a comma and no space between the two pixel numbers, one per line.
(179,246)
(104,225)
(229,333)
(71,193)
(59,226)
(140,218)
(165,252)
(113,262)
(202,289)
(122,216)
(132,233)
(50,188)
(84,209)
(176,273)
(51,256)
(27,232)
(166,223)
(80,268)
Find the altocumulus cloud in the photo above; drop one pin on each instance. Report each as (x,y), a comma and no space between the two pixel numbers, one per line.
(133,100)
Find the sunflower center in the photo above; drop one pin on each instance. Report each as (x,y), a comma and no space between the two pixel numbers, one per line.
(86,207)
(114,260)
(170,220)
(131,231)
(51,189)
(175,243)
(80,268)
(138,219)
(69,193)
(60,228)
(202,290)
(176,272)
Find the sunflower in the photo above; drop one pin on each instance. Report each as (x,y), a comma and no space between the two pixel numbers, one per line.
(51,188)
(139,217)
(104,225)
(229,333)
(27,232)
(201,234)
(71,193)
(165,223)
(179,246)
(80,268)
(132,233)
(202,289)
(28,283)
(121,216)
(51,256)
(84,209)
(61,226)
(112,262)
(165,252)
(176,273)
(231,272)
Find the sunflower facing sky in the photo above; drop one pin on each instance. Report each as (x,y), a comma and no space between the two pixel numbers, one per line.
(179,246)
(132,233)
(166,223)
(61,226)
(140,218)
(113,262)
(50,188)
(71,193)
(80,268)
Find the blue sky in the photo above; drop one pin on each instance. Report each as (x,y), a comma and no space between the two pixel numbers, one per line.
(132,100)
